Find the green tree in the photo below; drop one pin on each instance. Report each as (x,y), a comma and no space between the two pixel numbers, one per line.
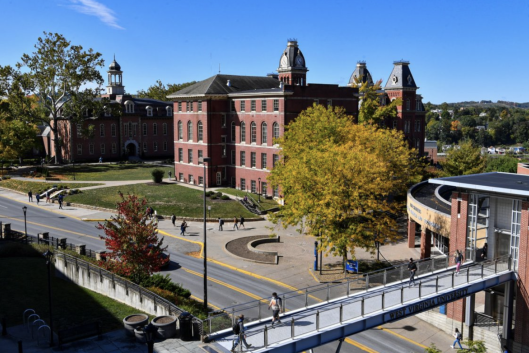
(370,108)
(58,75)
(337,176)
(464,160)
(17,136)
(160,92)
(473,347)
(506,164)
(432,349)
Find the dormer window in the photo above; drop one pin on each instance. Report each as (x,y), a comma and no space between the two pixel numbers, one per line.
(107,111)
(149,111)
(129,107)
(169,111)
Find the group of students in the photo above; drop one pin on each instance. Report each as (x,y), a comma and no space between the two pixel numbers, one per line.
(236,223)
(60,198)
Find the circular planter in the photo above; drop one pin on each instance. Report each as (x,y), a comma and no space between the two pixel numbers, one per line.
(166,326)
(134,321)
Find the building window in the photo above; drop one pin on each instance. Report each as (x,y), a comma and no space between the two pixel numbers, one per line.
(79,130)
(79,148)
(180,131)
(275,160)
(394,124)
(252,105)
(263,160)
(190,156)
(200,131)
(155,146)
(155,129)
(243,106)
(275,131)
(418,105)
(243,159)
(406,126)
(189,131)
(180,155)
(264,134)
(102,130)
(113,130)
(179,106)
(417,126)
(223,139)
(200,180)
(263,188)
(145,147)
(243,132)
(144,129)
(189,106)
(91,148)
(329,102)
(224,151)
(243,184)
(417,144)
(129,107)
(107,112)
(85,112)
(126,129)
(199,106)
(233,157)
(253,187)
(169,111)
(164,128)
(276,192)
(102,147)
(165,146)
(233,131)
(200,155)
(253,132)
(263,105)
(181,177)
(191,179)
(232,106)
(407,104)
(149,111)
(253,161)
(133,129)
(223,120)
(276,105)
(114,148)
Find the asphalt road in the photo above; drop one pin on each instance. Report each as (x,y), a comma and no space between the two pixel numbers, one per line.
(225,287)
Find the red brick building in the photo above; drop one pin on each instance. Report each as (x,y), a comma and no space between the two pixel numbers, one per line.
(235,119)
(144,129)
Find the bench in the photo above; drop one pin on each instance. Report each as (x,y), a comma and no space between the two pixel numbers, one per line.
(52,179)
(79,332)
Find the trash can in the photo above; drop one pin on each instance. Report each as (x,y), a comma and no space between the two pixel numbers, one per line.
(185,323)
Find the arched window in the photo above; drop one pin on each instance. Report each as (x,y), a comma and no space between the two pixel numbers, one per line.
(232,131)
(253,132)
(200,131)
(180,130)
(164,128)
(129,107)
(264,134)
(149,110)
(155,129)
(113,130)
(169,111)
(243,132)
(408,104)
(189,131)
(144,129)
(275,130)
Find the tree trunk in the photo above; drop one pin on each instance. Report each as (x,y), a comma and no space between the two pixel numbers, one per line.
(56,140)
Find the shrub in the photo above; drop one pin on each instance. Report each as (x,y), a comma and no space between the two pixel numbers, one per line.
(209,193)
(6,177)
(214,197)
(225,197)
(218,194)
(157,175)
(165,283)
(173,298)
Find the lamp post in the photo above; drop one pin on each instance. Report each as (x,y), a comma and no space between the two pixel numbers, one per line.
(205,160)
(259,195)
(49,255)
(73,167)
(25,224)
(149,331)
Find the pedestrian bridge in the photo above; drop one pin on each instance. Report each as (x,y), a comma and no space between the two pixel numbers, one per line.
(322,314)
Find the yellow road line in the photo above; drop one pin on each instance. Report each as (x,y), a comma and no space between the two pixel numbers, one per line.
(35,204)
(360,345)
(402,337)
(209,304)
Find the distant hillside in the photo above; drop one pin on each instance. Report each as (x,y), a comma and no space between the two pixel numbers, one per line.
(488,103)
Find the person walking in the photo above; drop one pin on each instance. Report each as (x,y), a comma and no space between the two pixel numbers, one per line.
(173,220)
(221,223)
(48,197)
(37,197)
(169,173)
(412,267)
(275,304)
(484,252)
(239,329)
(458,257)
(60,198)
(242,223)
(183,227)
(30,196)
(235,223)
(458,338)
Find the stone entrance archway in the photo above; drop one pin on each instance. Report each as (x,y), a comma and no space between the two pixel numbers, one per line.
(132,148)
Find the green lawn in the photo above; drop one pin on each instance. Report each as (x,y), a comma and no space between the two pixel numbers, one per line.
(36,186)
(265,203)
(108,172)
(165,199)
(25,285)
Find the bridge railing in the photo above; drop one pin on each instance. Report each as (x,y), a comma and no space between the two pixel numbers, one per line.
(375,301)
(256,310)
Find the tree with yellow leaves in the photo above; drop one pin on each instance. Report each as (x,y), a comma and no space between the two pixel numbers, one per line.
(339,179)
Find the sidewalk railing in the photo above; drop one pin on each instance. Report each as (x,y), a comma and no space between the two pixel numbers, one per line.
(256,310)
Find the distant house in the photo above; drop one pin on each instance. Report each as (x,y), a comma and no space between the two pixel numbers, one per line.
(481,127)
(430,150)
(482,114)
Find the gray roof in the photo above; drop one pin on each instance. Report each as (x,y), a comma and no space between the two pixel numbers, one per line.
(150,101)
(361,72)
(504,183)
(400,77)
(430,144)
(218,85)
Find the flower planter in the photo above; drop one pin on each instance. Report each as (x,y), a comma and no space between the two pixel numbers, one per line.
(166,326)
(134,321)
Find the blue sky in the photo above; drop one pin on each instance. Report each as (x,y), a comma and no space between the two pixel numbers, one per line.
(459,50)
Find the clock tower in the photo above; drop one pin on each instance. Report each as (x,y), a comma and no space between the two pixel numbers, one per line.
(292,69)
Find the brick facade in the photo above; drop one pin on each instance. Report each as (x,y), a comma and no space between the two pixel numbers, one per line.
(412,225)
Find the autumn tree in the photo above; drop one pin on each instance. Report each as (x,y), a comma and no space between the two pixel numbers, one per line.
(337,178)
(370,109)
(61,77)
(160,91)
(463,160)
(132,241)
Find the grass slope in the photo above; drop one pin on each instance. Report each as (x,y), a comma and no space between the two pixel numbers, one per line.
(108,172)
(35,186)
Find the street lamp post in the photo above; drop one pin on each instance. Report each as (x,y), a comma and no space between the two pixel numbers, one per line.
(49,255)
(205,160)
(259,195)
(149,331)
(25,224)
(73,167)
